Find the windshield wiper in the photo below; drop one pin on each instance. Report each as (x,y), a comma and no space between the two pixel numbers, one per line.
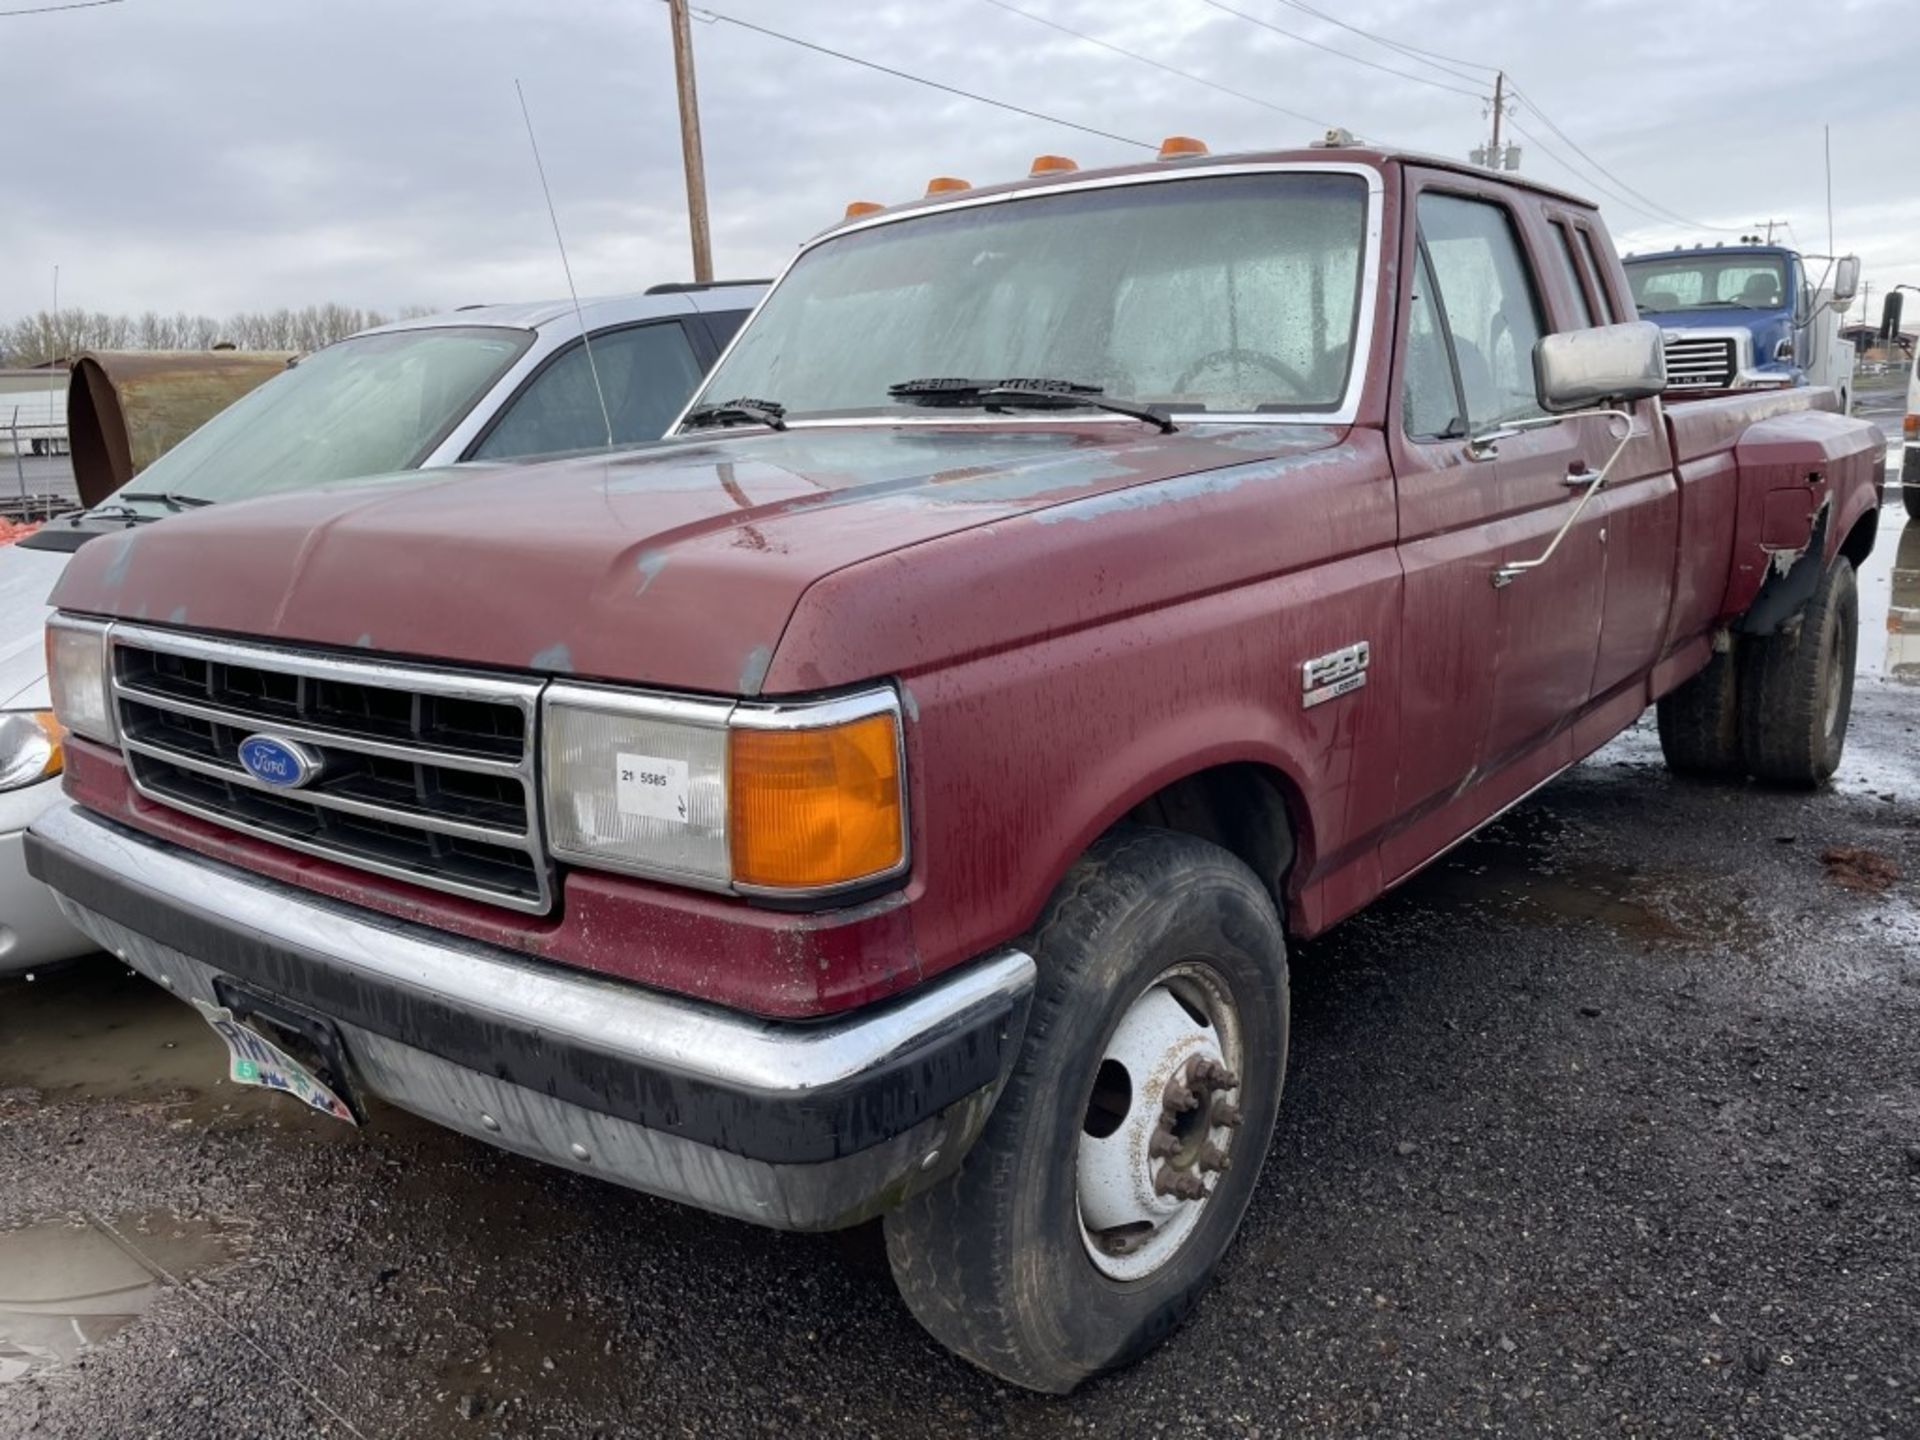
(1025,395)
(172,499)
(105,509)
(743,411)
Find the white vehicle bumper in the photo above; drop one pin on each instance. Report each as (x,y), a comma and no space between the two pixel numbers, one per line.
(33,932)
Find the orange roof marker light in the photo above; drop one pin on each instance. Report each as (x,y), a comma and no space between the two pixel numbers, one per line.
(1178,147)
(947,185)
(857,208)
(1051,165)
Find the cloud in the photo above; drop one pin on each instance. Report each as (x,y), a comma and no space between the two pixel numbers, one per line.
(223,154)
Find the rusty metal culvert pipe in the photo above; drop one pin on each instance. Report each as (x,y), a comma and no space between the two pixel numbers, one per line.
(127,408)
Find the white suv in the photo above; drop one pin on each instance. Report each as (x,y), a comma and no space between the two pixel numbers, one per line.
(496,382)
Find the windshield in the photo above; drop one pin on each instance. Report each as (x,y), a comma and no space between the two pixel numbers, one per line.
(1226,293)
(1706,281)
(365,406)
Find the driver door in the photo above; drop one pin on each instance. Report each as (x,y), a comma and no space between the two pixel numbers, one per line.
(1493,677)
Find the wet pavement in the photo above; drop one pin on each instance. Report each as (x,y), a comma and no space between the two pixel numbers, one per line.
(1608,1124)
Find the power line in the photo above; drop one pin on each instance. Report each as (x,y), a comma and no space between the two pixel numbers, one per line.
(51,9)
(1583,178)
(1653,209)
(923,80)
(1156,64)
(1673,217)
(1356,59)
(1412,52)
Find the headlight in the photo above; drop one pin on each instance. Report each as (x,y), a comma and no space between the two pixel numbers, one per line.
(77,675)
(29,748)
(777,800)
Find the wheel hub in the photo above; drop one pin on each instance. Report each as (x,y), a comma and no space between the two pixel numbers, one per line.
(1160,1123)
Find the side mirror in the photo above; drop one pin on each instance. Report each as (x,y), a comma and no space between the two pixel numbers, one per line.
(1846,279)
(1580,368)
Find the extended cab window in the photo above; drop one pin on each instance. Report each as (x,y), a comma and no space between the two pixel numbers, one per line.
(1570,267)
(1599,275)
(646,372)
(1488,299)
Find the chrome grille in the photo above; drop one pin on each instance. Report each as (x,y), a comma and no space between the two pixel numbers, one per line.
(426,775)
(1700,363)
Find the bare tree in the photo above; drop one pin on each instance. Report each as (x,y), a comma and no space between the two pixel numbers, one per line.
(44,336)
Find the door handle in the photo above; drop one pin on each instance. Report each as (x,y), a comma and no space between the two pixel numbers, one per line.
(1577,475)
(1592,481)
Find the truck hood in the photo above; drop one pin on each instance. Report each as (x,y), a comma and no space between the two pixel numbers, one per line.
(1765,327)
(26,579)
(678,564)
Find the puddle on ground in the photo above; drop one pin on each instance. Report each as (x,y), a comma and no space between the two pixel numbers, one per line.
(65,1288)
(1520,865)
(96,1030)
(1890,600)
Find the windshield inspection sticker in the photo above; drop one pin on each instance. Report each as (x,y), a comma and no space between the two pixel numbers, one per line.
(653,788)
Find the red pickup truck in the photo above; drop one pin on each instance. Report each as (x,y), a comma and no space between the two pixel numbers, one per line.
(896,792)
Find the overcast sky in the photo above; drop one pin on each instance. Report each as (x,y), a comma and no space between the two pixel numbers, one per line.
(219,155)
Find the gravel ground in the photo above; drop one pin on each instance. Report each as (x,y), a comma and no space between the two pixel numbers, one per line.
(1609,1124)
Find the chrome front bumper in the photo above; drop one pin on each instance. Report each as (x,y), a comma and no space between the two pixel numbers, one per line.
(797,1126)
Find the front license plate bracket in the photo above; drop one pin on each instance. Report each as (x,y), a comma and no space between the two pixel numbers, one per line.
(310,1040)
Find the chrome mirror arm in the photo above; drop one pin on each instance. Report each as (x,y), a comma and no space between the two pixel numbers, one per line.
(1486,444)
(1514,569)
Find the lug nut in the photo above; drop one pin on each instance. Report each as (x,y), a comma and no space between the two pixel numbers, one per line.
(1226,1114)
(1181,1184)
(1212,1157)
(1178,1099)
(1162,1144)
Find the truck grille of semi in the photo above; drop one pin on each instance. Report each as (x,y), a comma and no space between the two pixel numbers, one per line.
(425,775)
(1700,364)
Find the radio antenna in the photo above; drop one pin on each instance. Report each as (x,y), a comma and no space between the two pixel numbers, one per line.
(554,215)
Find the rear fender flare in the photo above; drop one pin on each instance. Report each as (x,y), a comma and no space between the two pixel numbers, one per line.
(1786,590)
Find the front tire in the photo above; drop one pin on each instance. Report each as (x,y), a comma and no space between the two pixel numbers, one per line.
(1122,1155)
(1797,687)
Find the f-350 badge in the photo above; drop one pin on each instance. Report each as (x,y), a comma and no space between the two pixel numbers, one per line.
(1326,677)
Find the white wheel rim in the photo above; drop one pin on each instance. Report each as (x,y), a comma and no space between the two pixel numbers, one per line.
(1152,1150)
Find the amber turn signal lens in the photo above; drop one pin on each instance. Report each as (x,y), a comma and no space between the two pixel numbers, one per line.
(56,734)
(1051,165)
(816,809)
(1911,425)
(947,185)
(1174,146)
(857,208)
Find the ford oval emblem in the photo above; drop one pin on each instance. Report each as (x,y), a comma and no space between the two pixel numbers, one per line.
(281,763)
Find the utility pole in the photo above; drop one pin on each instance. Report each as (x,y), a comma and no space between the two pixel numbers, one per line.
(696,164)
(1493,155)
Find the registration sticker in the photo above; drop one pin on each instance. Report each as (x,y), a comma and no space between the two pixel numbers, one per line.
(256,1060)
(652,788)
